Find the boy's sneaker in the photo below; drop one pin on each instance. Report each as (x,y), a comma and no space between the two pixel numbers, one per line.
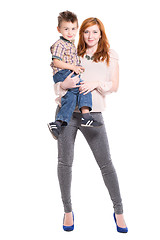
(91,122)
(54,129)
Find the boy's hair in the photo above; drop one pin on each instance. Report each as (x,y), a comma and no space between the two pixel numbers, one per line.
(67,16)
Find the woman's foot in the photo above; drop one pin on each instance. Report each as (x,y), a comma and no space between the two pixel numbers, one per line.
(68,219)
(120,220)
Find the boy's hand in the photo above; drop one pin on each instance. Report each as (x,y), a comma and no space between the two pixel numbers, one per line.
(78,69)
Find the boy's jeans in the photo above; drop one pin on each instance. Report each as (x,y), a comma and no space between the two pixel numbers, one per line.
(71,98)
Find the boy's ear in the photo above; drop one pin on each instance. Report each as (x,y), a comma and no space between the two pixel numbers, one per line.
(58,29)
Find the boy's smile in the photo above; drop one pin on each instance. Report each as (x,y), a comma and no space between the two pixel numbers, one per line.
(68,30)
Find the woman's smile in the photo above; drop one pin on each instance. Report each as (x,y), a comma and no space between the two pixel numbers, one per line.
(92,35)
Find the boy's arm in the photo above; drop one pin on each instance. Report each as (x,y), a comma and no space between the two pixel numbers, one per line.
(60,64)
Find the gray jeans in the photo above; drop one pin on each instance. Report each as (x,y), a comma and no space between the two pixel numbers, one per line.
(98,142)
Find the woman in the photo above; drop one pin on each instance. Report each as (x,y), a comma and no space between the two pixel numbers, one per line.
(101,77)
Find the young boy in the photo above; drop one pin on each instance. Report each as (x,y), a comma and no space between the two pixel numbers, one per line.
(65,60)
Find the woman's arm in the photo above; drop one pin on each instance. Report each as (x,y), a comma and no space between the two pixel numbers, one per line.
(101,87)
(115,77)
(112,80)
(62,87)
(113,83)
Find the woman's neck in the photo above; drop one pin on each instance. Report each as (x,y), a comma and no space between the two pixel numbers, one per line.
(91,50)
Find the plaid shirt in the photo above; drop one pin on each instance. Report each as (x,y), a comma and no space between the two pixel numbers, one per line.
(65,51)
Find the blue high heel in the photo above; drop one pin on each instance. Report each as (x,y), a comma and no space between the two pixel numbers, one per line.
(119,229)
(69,228)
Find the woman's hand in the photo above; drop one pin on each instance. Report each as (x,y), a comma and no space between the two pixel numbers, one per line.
(70,82)
(87,87)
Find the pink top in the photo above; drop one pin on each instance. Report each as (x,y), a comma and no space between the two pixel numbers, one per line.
(100,72)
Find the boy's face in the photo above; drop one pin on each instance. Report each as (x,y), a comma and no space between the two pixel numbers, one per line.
(68,30)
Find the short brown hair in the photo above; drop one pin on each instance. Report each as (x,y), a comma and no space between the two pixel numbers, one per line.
(67,16)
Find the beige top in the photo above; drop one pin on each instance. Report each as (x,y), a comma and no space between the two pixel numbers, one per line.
(94,72)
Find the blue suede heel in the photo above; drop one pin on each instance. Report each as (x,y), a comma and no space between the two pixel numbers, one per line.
(68,228)
(119,229)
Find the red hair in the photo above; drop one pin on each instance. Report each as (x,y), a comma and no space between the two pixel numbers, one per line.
(102,52)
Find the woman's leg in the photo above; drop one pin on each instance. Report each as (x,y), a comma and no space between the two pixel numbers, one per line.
(66,141)
(98,142)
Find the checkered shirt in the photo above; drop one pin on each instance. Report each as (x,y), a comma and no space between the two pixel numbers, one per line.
(65,51)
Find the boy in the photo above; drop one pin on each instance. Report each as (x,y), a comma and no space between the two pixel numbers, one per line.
(65,60)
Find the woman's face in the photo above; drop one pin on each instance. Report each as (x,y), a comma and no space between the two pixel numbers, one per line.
(92,35)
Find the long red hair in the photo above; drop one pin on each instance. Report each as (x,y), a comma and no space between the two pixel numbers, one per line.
(102,53)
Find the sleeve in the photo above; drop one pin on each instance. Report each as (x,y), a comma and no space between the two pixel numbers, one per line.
(104,87)
(57,50)
(114,69)
(113,55)
(114,61)
(60,92)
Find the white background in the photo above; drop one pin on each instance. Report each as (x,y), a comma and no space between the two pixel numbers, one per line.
(30,201)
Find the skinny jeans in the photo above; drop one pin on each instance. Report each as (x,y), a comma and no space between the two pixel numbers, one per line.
(98,142)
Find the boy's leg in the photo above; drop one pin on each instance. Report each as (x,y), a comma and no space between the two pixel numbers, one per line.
(68,104)
(85,102)
(85,106)
(67,107)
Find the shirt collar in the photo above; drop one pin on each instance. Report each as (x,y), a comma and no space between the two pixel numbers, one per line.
(61,37)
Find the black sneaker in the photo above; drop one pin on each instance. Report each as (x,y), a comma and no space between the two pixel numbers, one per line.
(54,129)
(91,122)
